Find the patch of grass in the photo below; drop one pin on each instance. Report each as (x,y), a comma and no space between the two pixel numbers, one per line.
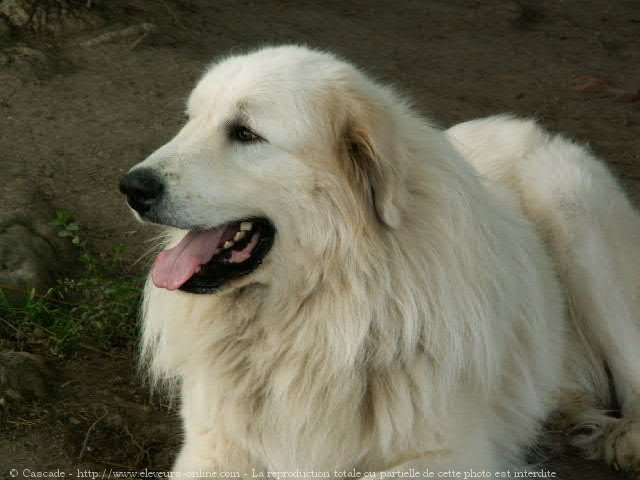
(95,310)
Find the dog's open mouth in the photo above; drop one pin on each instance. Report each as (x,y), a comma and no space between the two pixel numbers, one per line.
(205,260)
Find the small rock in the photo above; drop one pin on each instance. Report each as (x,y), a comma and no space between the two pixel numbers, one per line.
(23,376)
(31,253)
(28,261)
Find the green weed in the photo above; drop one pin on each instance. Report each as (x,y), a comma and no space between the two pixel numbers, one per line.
(67,227)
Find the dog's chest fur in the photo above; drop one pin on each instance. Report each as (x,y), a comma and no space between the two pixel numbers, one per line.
(266,380)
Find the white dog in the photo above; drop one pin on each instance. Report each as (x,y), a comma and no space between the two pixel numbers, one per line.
(345,286)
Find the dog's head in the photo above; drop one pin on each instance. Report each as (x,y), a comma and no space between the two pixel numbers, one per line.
(286,152)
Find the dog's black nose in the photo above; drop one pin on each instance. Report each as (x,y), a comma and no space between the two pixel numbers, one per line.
(143,189)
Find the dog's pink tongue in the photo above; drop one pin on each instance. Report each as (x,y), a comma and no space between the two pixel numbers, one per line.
(175,266)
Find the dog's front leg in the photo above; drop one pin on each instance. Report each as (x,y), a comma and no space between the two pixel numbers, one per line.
(199,457)
(436,466)
(473,455)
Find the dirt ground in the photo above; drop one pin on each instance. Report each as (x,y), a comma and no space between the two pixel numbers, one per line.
(77,110)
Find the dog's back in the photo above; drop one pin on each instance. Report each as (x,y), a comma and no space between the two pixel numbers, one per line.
(593,234)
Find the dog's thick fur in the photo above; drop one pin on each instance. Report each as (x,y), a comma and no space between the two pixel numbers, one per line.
(430,297)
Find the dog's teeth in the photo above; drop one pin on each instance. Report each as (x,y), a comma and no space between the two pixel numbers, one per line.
(239,236)
(227,244)
(246,226)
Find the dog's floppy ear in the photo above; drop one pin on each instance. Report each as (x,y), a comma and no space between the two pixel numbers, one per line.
(374,166)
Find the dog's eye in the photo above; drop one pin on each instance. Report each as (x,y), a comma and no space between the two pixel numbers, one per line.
(243,134)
